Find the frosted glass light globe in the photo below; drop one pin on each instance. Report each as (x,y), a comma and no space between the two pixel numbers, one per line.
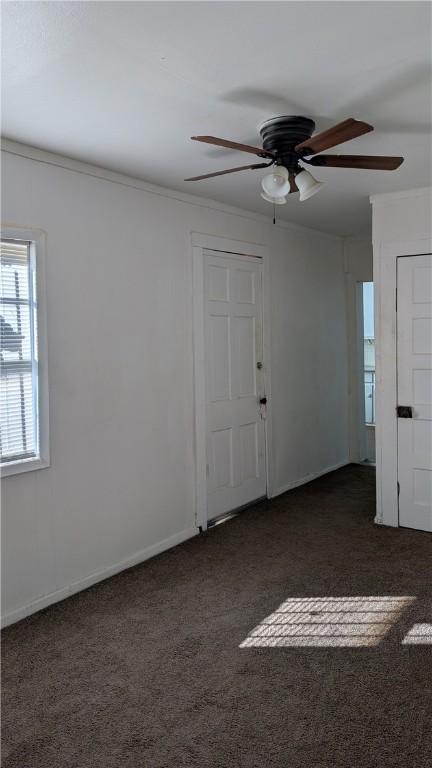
(307,185)
(274,200)
(275,183)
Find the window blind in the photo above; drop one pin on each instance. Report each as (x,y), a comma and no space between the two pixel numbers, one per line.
(18,353)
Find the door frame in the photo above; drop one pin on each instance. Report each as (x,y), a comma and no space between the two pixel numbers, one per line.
(386,439)
(199,244)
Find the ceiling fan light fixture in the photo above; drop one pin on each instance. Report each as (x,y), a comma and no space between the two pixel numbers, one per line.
(307,185)
(274,200)
(275,184)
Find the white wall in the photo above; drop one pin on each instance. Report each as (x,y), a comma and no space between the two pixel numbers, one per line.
(401,226)
(121,482)
(358,269)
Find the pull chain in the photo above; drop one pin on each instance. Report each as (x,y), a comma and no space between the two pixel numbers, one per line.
(274,214)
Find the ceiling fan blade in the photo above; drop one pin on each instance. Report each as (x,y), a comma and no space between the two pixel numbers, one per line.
(293,185)
(374,162)
(232,145)
(348,129)
(230,170)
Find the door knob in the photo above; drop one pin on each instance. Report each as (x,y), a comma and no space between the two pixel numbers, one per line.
(404,412)
(263,401)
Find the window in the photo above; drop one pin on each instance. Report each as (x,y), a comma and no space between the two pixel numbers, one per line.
(23,416)
(369,353)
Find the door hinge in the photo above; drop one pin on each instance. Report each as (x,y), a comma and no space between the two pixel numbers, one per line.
(398,487)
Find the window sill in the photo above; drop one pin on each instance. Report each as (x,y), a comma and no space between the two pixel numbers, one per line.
(18,467)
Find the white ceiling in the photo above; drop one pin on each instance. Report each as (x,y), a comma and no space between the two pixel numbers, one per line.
(124,85)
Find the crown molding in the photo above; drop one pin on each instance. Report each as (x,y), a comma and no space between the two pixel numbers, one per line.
(38,155)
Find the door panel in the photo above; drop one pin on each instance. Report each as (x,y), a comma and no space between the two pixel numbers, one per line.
(221,454)
(249,469)
(234,382)
(243,363)
(217,283)
(218,352)
(243,286)
(414,349)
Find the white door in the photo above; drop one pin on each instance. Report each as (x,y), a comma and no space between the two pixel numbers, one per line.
(235,440)
(414,367)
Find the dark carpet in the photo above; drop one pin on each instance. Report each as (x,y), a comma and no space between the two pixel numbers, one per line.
(145,669)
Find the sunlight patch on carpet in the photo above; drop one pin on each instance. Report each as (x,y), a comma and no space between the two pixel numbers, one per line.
(342,622)
(419,634)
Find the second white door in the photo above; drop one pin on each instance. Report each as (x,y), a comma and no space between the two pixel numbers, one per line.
(414,366)
(235,444)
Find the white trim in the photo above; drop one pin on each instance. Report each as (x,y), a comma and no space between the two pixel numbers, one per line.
(23,465)
(308,478)
(8,146)
(199,243)
(60,594)
(38,238)
(228,245)
(385,277)
(199,387)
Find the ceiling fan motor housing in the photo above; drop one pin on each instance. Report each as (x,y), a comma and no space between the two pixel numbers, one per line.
(282,134)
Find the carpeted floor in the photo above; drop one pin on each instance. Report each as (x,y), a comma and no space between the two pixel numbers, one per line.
(145,669)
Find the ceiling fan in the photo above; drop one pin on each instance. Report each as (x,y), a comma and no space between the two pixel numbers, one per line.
(289,140)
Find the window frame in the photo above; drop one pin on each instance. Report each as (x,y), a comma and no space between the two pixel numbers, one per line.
(36,238)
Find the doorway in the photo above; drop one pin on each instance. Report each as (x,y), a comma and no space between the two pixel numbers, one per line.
(232,383)
(368,370)
(236,403)
(365,372)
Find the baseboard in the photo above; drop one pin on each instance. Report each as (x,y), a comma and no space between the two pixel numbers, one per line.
(308,478)
(139,557)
